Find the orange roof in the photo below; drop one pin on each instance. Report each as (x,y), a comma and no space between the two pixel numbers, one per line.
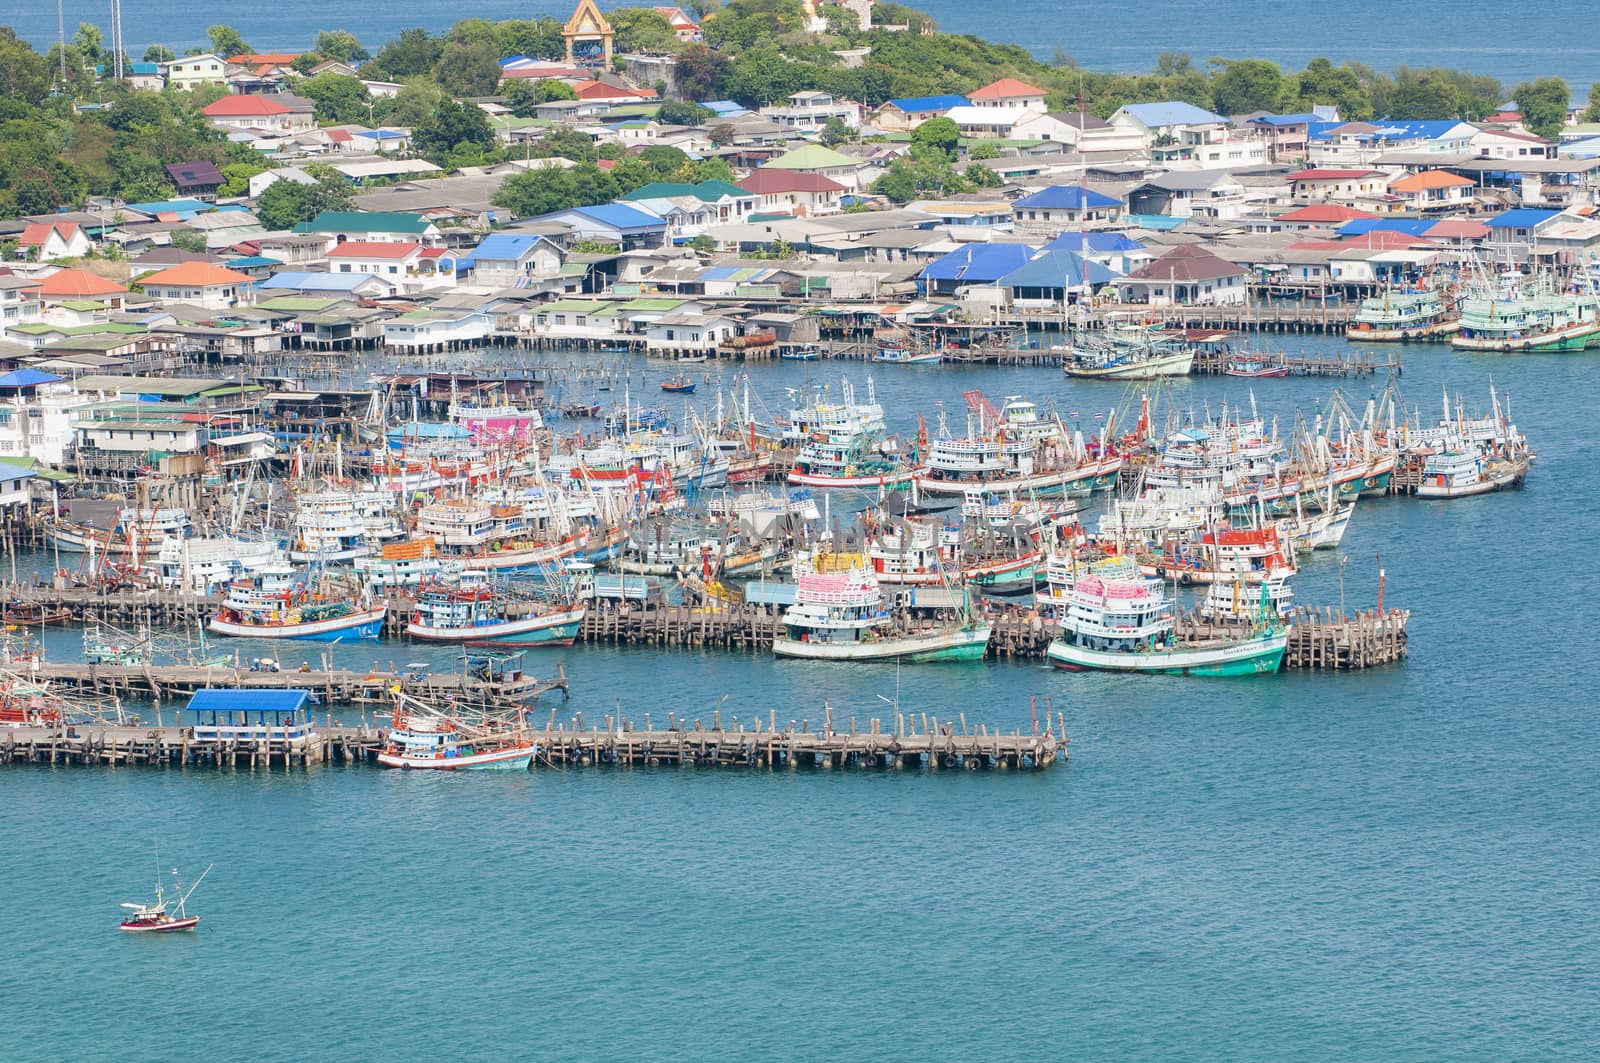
(195,275)
(1421,182)
(1006,88)
(76,284)
(600,90)
(270,59)
(38,232)
(243,107)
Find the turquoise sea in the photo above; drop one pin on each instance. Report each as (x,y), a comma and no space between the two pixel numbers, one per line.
(1395,865)
(1482,37)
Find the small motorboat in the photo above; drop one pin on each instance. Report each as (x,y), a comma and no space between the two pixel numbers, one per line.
(678,385)
(1255,369)
(802,354)
(156,918)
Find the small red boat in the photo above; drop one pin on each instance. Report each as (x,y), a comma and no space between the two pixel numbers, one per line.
(680,385)
(155,918)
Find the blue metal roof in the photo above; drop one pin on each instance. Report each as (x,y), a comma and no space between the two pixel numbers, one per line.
(1171,112)
(185,207)
(247,700)
(1056,269)
(316,282)
(1521,218)
(1100,241)
(1066,197)
(26,378)
(1285,119)
(912,104)
(978,263)
(504,246)
(618,216)
(252,262)
(1159,223)
(1409,226)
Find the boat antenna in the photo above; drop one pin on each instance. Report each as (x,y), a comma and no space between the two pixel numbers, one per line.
(195,886)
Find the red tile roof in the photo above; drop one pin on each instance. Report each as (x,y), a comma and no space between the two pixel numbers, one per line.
(1187,262)
(372,249)
(38,232)
(243,107)
(1325,214)
(270,59)
(1377,240)
(1006,88)
(195,275)
(599,90)
(1458,229)
(765,182)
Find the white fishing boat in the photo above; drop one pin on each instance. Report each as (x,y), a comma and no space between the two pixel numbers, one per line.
(427,739)
(136,531)
(843,617)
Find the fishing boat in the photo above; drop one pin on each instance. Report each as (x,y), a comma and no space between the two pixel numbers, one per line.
(1007,465)
(35,614)
(1126,353)
(800,354)
(137,531)
(477,614)
(111,646)
(678,385)
(155,917)
(329,527)
(427,739)
(1254,369)
(1462,456)
(406,564)
(1127,626)
(842,617)
(1403,317)
(203,564)
(1233,603)
(860,461)
(273,606)
(907,356)
(1515,314)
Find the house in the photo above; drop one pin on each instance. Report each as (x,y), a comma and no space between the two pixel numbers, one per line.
(688,331)
(689,209)
(19,302)
(1323,185)
(612,223)
(65,284)
(1511,144)
(437,329)
(1009,92)
(1433,190)
(1168,119)
(1054,277)
(1318,216)
(509,260)
(47,241)
(1115,251)
(1009,123)
(1287,136)
(1188,275)
(1051,210)
(267,178)
(810,109)
(683,27)
(279,113)
(793,191)
(605,90)
(398,227)
(1083,131)
(197,180)
(972,264)
(144,77)
(36,413)
(1189,194)
(1349,144)
(346,286)
(200,283)
(906,114)
(818,159)
(386,257)
(192,71)
(1515,233)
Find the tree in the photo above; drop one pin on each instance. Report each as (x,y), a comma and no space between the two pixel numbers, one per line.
(159,53)
(538,38)
(983,151)
(282,205)
(90,42)
(226,42)
(188,240)
(305,62)
(411,54)
(341,45)
(238,176)
(700,73)
(704,244)
(1543,104)
(663,158)
(906,179)
(835,131)
(939,135)
(23,71)
(469,67)
(1247,85)
(640,29)
(567,144)
(450,127)
(722,134)
(546,90)
(339,97)
(980,176)
(677,112)
(415,101)
(1322,82)
(1593,113)
(540,191)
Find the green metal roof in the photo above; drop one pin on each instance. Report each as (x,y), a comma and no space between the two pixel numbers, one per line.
(297,304)
(360,221)
(574,306)
(651,304)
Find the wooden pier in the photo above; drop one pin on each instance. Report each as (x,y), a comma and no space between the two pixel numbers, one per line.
(910,740)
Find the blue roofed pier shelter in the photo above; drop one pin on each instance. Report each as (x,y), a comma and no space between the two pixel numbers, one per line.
(279,718)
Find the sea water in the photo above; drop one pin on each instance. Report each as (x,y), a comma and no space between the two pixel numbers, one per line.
(1480,37)
(1396,864)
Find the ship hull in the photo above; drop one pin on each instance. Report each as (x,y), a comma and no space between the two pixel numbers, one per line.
(367,624)
(1083,479)
(893,479)
(1258,656)
(515,758)
(963,645)
(555,629)
(169,927)
(1149,369)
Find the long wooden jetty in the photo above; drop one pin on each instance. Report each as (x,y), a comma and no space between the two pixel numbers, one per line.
(909,740)
(1344,364)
